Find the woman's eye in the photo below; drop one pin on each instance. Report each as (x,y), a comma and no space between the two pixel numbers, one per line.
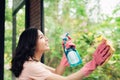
(41,37)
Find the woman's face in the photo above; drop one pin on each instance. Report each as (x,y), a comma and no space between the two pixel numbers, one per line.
(42,42)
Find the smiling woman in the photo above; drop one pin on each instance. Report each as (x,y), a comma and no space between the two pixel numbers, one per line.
(41,45)
(31,46)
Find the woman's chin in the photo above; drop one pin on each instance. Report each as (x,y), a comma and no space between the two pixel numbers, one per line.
(47,49)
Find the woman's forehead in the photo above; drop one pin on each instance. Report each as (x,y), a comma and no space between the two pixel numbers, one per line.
(39,32)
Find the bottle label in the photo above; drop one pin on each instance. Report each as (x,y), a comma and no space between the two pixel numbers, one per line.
(73,58)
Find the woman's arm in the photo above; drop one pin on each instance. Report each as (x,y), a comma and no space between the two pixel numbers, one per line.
(59,70)
(99,57)
(75,76)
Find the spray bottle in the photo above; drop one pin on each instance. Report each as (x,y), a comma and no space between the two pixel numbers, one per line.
(71,53)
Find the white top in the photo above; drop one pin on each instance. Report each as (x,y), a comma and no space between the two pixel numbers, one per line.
(33,70)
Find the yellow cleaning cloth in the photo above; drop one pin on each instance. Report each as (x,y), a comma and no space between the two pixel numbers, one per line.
(112,50)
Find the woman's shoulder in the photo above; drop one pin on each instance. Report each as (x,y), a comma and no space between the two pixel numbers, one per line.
(34,70)
(32,64)
(35,67)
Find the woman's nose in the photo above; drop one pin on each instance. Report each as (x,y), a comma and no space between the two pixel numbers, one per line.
(46,38)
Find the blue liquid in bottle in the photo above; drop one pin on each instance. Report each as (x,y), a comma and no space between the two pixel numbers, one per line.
(72,55)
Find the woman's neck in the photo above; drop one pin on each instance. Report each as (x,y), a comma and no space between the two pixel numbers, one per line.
(38,56)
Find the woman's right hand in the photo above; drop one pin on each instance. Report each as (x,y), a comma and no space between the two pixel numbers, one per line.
(99,57)
(101,53)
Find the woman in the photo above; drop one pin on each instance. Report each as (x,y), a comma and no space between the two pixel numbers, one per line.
(32,44)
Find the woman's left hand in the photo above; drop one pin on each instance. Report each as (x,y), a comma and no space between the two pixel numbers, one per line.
(64,61)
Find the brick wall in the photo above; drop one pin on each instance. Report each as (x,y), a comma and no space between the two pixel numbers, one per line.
(35,14)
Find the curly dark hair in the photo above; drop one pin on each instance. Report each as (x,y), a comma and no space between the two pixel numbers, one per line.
(24,50)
